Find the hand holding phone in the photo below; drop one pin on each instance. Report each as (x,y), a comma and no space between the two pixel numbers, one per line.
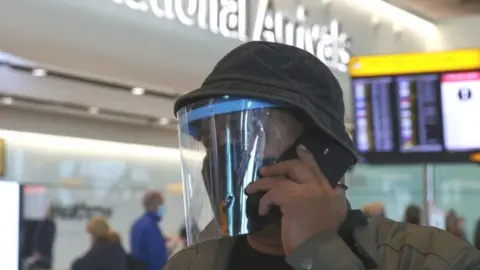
(331,158)
(308,202)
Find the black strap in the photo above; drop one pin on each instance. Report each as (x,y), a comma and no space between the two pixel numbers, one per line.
(356,219)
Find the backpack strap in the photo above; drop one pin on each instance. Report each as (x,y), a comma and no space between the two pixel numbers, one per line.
(356,219)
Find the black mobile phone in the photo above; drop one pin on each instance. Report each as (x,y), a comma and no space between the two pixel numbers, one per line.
(333,159)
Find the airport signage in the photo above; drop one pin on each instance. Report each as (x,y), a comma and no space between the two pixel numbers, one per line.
(232,19)
(80,211)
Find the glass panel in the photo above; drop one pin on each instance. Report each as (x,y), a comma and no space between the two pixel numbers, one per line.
(395,187)
(73,207)
(457,187)
(82,178)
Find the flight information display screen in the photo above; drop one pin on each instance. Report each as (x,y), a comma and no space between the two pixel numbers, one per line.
(417,118)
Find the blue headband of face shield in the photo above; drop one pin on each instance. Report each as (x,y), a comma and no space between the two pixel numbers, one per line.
(224,105)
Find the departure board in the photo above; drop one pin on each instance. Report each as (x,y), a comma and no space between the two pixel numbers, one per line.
(417,107)
(373,113)
(417,118)
(419,114)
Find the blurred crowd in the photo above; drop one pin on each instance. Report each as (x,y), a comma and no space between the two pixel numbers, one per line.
(454,223)
(149,248)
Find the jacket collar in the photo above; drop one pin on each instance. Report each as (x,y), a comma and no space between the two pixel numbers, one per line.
(363,233)
(219,260)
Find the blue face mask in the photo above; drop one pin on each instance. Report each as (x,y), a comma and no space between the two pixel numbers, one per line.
(161,211)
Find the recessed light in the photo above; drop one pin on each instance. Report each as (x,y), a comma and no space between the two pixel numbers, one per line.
(38,72)
(163,121)
(138,91)
(7,100)
(93,110)
(397,28)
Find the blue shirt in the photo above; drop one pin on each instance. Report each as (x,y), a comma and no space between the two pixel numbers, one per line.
(147,243)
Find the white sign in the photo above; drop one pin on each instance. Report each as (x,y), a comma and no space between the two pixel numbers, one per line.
(230,18)
(35,202)
(10,225)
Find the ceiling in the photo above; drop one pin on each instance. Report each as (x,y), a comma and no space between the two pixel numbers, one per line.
(101,51)
(24,86)
(439,10)
(37,89)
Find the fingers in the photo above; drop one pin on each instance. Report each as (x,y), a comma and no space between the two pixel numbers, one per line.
(277,195)
(276,191)
(294,169)
(264,184)
(281,181)
(302,170)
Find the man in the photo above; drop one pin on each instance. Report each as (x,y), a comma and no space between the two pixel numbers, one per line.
(147,243)
(44,241)
(374,209)
(264,149)
(413,215)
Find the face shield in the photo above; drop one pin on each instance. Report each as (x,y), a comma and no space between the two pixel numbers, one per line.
(223,143)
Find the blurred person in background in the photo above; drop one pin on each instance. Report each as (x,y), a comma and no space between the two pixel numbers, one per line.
(413,215)
(374,209)
(183,235)
(115,238)
(179,242)
(133,264)
(270,120)
(106,251)
(476,236)
(461,228)
(43,243)
(147,243)
(455,224)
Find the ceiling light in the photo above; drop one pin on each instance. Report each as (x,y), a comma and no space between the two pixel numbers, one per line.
(38,72)
(164,121)
(396,28)
(175,188)
(397,15)
(71,146)
(7,100)
(138,91)
(93,110)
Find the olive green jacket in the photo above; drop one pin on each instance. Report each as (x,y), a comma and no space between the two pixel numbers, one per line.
(392,245)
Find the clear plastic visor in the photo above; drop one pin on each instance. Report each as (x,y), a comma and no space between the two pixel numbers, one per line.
(223,142)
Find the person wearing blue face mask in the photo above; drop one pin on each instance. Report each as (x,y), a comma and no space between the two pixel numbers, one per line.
(147,243)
